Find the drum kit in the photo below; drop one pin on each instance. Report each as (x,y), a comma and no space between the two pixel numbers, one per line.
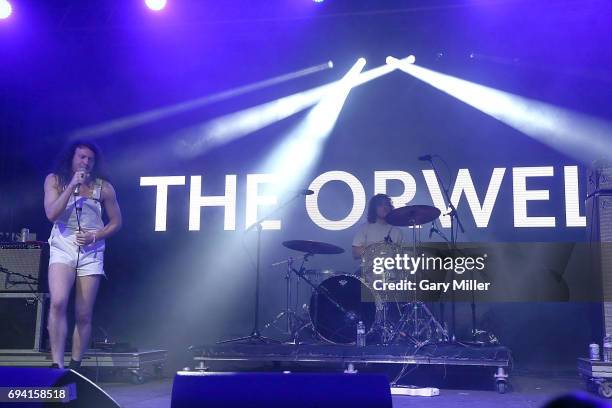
(339,301)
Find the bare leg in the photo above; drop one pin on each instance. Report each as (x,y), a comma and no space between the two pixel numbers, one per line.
(86,291)
(61,279)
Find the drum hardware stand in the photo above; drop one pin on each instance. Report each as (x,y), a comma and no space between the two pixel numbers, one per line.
(386,328)
(417,305)
(388,332)
(473,294)
(412,314)
(255,334)
(295,322)
(454,216)
(291,316)
(420,324)
(448,243)
(409,216)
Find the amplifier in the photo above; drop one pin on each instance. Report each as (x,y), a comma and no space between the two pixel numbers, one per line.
(22,321)
(599,178)
(23,266)
(599,229)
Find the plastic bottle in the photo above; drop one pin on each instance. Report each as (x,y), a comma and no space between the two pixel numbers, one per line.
(594,352)
(361,335)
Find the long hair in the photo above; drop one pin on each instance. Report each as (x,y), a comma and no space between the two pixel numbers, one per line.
(63,164)
(375,201)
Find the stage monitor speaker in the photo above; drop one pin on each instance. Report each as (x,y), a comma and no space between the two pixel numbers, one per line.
(20,260)
(271,390)
(599,230)
(81,392)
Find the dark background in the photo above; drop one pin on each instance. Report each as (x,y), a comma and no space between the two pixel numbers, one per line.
(67,65)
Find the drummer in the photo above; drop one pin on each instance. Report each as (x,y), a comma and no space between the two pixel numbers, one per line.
(377,229)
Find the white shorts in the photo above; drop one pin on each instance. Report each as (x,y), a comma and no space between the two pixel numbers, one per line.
(64,250)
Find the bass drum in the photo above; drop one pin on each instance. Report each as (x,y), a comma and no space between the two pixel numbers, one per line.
(358,302)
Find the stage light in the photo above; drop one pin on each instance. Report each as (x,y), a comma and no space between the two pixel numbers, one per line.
(200,139)
(5,9)
(575,134)
(295,157)
(330,64)
(156,5)
(411,59)
(197,140)
(128,122)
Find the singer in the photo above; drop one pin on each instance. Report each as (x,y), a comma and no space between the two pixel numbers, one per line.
(376,229)
(75,194)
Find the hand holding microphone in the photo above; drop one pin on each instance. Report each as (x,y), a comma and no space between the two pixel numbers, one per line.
(78,178)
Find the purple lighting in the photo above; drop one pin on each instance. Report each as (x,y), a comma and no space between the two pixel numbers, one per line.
(5,9)
(155,5)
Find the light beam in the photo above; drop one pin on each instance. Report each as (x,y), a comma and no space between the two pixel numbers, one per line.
(577,135)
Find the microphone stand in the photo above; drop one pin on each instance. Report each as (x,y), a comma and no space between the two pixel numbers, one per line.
(453,244)
(255,335)
(77,212)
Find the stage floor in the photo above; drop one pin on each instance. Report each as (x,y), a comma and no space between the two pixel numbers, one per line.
(530,390)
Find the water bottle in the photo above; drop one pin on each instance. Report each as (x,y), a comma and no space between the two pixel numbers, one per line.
(361,335)
(594,352)
(607,349)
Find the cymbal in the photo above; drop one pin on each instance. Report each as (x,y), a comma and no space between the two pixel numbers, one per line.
(411,215)
(313,247)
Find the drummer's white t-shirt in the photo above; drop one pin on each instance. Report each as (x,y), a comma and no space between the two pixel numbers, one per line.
(376,232)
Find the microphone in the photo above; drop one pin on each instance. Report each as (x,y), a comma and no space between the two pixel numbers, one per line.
(306,192)
(427,157)
(432,229)
(76,189)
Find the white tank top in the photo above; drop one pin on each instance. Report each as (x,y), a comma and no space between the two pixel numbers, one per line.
(90,213)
